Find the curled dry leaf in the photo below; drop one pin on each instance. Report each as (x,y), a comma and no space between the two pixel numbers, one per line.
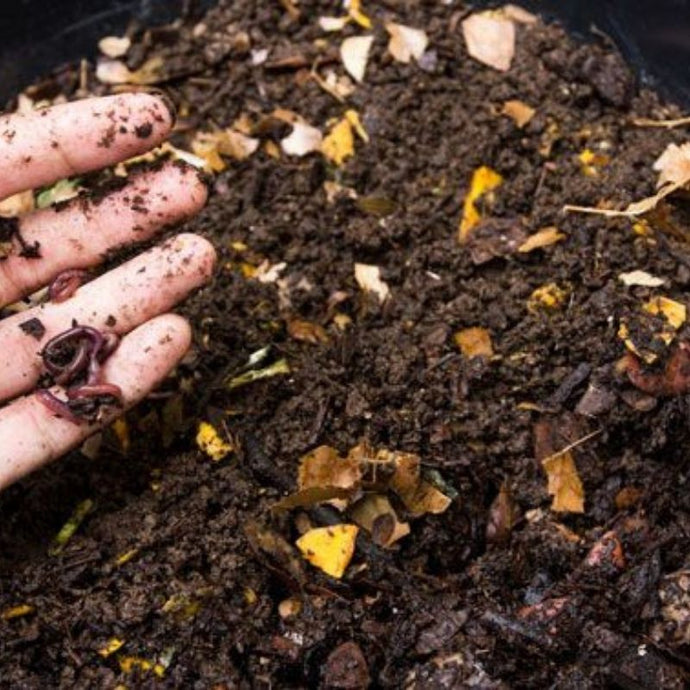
(673,165)
(325,467)
(484,182)
(329,548)
(302,140)
(209,146)
(474,342)
(354,52)
(405,42)
(542,238)
(368,277)
(114,46)
(490,39)
(307,332)
(519,112)
(564,483)
(376,515)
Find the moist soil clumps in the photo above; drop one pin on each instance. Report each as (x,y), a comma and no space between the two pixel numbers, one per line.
(182,575)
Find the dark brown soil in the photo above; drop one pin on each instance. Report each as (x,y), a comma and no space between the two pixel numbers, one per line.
(445,608)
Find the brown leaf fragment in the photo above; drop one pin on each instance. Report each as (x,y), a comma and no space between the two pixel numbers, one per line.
(282,556)
(307,332)
(564,483)
(325,467)
(540,239)
(672,379)
(313,496)
(375,514)
(474,342)
(503,514)
(494,238)
(346,668)
(520,113)
(376,205)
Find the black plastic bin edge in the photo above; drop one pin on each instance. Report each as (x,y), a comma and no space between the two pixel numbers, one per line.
(36,36)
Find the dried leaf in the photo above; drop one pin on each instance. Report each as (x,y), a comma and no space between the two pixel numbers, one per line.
(641,278)
(519,112)
(490,39)
(315,495)
(503,514)
(375,514)
(547,297)
(674,312)
(368,277)
(376,205)
(18,611)
(212,443)
(484,181)
(405,42)
(111,646)
(666,124)
(329,548)
(324,467)
(114,46)
(419,496)
(339,143)
(302,140)
(354,52)
(542,238)
(564,483)
(307,332)
(211,145)
(673,165)
(474,342)
(637,208)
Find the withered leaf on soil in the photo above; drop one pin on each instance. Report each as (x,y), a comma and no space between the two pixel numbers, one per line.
(405,42)
(673,165)
(376,515)
(376,205)
(564,483)
(369,279)
(282,554)
(540,239)
(307,332)
(354,52)
(325,467)
(474,342)
(315,495)
(490,38)
(329,548)
(503,514)
(519,112)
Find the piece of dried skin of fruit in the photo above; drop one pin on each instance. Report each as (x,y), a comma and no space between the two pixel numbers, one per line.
(520,113)
(329,548)
(484,182)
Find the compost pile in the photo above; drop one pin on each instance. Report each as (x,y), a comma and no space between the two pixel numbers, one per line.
(434,429)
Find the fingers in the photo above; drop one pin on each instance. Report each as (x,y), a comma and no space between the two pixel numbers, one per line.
(31,436)
(118,301)
(79,235)
(44,146)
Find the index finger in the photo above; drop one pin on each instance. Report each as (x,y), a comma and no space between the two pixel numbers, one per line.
(46,145)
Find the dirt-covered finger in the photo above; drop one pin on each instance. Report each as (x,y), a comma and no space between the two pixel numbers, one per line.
(118,301)
(46,145)
(31,435)
(80,234)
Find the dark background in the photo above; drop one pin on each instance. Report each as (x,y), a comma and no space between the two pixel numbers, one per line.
(36,36)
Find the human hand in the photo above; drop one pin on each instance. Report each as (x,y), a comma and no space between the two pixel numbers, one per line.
(38,149)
